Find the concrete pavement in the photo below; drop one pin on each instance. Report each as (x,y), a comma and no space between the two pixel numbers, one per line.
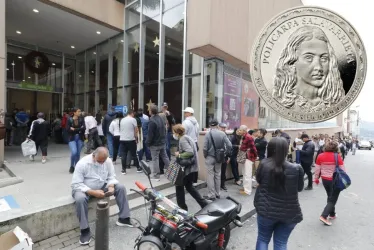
(353,229)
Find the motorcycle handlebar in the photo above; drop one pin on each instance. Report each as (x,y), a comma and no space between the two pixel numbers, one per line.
(140,185)
(201,225)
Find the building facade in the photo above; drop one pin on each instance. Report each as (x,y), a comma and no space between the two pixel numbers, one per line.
(91,54)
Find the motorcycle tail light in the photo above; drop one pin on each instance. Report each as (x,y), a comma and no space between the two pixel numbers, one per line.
(156,221)
(169,229)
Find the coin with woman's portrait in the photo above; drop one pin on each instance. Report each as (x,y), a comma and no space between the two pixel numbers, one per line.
(308,64)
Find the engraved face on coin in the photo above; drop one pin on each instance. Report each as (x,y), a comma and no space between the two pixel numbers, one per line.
(308,64)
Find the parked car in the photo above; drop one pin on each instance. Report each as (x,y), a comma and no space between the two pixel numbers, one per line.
(364,145)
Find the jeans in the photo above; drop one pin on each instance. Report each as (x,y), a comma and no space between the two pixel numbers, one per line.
(223,172)
(116,147)
(128,146)
(168,143)
(109,140)
(297,156)
(181,199)
(332,198)
(268,227)
(158,152)
(75,149)
(234,168)
(145,150)
(308,171)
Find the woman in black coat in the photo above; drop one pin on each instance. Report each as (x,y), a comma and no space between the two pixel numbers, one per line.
(276,200)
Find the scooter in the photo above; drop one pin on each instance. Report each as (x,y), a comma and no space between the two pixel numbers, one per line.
(175,229)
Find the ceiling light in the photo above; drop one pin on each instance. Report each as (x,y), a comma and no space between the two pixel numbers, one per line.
(121,41)
(72,46)
(29,77)
(80,75)
(157,53)
(92,71)
(190,53)
(94,53)
(7,69)
(23,80)
(53,64)
(35,10)
(128,62)
(18,32)
(98,32)
(169,44)
(20,57)
(13,64)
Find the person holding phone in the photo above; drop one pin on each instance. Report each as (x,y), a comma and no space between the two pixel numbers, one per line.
(94,177)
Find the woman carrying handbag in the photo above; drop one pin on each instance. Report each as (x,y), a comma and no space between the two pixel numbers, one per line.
(186,157)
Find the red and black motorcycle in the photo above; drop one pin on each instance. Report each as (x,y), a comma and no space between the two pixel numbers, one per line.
(175,229)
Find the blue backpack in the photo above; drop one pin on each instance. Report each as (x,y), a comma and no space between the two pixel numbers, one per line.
(340,178)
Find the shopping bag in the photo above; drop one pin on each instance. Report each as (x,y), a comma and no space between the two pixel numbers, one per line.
(28,147)
(175,173)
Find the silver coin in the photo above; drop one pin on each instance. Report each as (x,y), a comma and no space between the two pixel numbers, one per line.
(308,64)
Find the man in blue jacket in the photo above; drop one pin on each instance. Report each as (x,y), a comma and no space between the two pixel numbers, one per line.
(109,117)
(22,119)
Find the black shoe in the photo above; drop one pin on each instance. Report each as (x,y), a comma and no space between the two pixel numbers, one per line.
(139,170)
(162,172)
(123,171)
(223,187)
(85,238)
(124,222)
(308,188)
(218,197)
(71,170)
(209,198)
(128,167)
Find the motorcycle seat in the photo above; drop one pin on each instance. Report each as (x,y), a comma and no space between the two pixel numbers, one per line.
(217,214)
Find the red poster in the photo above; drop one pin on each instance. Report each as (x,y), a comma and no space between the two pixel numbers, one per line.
(249,108)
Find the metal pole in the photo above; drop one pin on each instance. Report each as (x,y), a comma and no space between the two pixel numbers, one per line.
(102,222)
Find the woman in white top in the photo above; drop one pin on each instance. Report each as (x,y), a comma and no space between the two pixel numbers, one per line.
(354,147)
(114,129)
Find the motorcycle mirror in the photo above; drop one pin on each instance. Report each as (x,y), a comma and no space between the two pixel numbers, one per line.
(215,213)
(145,167)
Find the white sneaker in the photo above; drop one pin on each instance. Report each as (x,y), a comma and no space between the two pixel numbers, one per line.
(44,161)
(31,158)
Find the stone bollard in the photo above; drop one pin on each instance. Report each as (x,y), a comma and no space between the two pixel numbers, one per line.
(102,225)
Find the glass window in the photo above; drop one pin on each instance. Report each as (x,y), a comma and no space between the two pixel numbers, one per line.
(192,95)
(173,22)
(16,67)
(80,77)
(80,101)
(133,56)
(194,63)
(151,10)
(91,103)
(103,51)
(168,4)
(173,96)
(152,44)
(150,95)
(131,93)
(69,83)
(132,16)
(54,75)
(91,59)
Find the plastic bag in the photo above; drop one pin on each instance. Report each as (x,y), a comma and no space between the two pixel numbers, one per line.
(28,147)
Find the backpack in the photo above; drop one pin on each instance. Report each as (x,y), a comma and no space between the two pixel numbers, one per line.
(341,179)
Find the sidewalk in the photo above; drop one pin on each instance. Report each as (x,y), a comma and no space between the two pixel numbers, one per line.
(124,238)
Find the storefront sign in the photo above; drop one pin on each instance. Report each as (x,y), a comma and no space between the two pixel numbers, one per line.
(31,86)
(231,101)
(121,108)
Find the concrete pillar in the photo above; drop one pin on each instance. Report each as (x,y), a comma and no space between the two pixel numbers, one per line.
(2,70)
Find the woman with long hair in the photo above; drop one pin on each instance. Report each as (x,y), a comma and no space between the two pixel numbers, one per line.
(76,128)
(308,79)
(276,200)
(187,150)
(325,168)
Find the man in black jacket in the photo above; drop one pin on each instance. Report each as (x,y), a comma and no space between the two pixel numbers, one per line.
(39,132)
(170,123)
(261,144)
(156,142)
(306,158)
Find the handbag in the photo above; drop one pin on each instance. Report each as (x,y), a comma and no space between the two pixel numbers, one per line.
(341,180)
(241,157)
(220,153)
(187,162)
(175,173)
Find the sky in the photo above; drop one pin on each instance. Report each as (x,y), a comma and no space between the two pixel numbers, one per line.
(359,13)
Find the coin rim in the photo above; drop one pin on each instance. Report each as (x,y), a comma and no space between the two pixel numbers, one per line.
(361,64)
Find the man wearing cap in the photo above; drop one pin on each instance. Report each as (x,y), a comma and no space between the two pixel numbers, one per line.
(170,123)
(222,126)
(191,126)
(39,132)
(215,142)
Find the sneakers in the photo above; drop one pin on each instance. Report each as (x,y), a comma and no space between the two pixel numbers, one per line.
(242,192)
(71,170)
(332,217)
(155,177)
(123,171)
(223,187)
(85,238)
(195,184)
(139,170)
(124,222)
(325,221)
(31,158)
(44,161)
(308,188)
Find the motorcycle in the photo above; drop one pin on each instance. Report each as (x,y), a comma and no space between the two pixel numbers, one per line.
(175,229)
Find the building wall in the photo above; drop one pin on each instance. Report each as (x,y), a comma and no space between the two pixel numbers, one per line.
(2,70)
(227,29)
(106,12)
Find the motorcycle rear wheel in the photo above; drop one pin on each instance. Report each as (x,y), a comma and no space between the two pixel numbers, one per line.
(214,245)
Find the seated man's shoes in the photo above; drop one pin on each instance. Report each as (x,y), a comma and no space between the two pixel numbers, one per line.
(124,222)
(86,237)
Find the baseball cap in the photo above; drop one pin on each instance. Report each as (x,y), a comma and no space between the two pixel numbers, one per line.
(222,125)
(165,104)
(213,122)
(189,110)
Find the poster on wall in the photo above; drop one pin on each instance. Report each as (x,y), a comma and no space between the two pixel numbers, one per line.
(232,88)
(249,105)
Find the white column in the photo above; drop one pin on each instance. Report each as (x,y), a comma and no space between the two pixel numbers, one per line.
(110,79)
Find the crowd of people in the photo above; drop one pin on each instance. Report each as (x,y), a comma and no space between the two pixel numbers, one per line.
(267,167)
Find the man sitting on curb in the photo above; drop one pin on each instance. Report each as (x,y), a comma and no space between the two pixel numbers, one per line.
(94,176)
